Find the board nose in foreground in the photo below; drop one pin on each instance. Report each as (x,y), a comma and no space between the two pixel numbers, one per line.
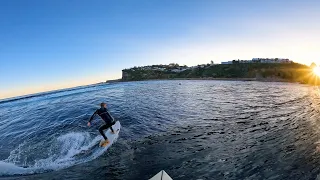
(162,175)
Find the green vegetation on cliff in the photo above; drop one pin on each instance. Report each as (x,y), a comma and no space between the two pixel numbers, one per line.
(292,72)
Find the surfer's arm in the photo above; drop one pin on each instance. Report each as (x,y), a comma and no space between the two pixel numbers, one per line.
(92,117)
(110,117)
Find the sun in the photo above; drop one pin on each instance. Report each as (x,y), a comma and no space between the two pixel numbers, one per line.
(316,71)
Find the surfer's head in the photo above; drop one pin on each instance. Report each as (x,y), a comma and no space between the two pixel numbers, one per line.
(103,105)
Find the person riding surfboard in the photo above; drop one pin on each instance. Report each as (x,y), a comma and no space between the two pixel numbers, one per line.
(107,118)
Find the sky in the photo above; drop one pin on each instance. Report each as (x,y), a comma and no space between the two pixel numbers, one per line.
(46,45)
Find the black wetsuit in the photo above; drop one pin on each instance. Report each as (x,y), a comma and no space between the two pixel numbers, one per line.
(105,115)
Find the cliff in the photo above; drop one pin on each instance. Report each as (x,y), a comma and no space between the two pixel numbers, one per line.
(291,72)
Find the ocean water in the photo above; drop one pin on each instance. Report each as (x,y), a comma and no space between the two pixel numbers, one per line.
(190,129)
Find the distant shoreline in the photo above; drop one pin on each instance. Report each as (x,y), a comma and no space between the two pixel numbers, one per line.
(214,79)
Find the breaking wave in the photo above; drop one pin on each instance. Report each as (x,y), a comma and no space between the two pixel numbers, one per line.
(67,150)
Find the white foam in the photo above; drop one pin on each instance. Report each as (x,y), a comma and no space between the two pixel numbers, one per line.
(11,169)
(62,156)
(69,145)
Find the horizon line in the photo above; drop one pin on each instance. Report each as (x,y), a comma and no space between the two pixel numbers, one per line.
(29,95)
(35,94)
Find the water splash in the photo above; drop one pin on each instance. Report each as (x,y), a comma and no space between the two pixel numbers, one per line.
(62,154)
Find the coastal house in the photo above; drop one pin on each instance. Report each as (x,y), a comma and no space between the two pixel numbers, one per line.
(271,60)
(260,60)
(227,62)
(245,61)
(177,70)
(192,67)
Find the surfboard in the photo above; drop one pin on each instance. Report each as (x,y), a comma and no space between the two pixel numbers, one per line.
(162,175)
(111,136)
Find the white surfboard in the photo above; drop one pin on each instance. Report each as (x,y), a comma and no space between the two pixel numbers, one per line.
(111,137)
(162,175)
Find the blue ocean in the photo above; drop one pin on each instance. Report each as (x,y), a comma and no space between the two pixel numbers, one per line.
(192,129)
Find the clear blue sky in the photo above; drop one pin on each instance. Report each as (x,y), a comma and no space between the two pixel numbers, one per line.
(61,43)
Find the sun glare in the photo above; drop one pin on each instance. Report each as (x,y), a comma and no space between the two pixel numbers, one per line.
(316,71)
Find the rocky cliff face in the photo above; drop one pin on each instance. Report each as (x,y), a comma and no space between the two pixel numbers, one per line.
(289,72)
(125,75)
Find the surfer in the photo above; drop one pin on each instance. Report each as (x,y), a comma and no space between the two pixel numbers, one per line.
(106,117)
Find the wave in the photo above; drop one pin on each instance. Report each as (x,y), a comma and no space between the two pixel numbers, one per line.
(67,150)
(11,169)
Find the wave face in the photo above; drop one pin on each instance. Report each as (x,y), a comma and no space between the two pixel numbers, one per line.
(66,150)
(194,129)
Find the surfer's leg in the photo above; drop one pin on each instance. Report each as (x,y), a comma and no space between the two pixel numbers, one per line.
(103,127)
(110,126)
(112,129)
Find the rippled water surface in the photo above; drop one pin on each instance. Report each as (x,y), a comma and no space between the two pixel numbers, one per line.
(190,129)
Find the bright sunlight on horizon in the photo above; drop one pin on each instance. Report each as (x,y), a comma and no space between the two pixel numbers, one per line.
(316,70)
